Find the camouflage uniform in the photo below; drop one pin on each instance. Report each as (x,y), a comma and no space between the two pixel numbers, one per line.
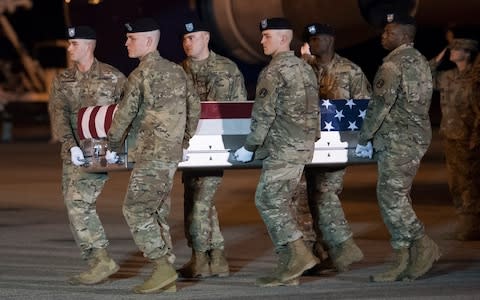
(72,90)
(460,128)
(398,122)
(162,109)
(285,126)
(215,79)
(339,79)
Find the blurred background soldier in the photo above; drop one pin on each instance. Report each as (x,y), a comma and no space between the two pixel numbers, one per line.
(285,125)
(338,78)
(398,122)
(88,82)
(162,109)
(460,129)
(216,78)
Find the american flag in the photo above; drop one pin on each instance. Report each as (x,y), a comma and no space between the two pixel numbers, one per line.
(342,114)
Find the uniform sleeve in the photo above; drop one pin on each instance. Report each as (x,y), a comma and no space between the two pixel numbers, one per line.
(385,88)
(126,112)
(263,112)
(193,112)
(60,112)
(360,87)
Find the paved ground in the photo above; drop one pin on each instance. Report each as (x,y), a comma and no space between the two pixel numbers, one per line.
(37,252)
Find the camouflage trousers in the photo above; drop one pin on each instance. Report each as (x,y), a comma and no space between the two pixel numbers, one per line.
(147,206)
(395,177)
(273,197)
(321,199)
(202,228)
(463,171)
(80,192)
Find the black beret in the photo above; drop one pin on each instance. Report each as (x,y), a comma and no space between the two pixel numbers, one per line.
(193,26)
(403,19)
(316,28)
(81,32)
(275,23)
(142,25)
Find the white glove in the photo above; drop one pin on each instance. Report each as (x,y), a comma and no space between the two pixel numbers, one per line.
(185,156)
(77,156)
(364,151)
(243,155)
(111,157)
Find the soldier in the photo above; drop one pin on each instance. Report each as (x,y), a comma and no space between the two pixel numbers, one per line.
(162,109)
(460,129)
(216,78)
(397,121)
(338,78)
(88,82)
(284,126)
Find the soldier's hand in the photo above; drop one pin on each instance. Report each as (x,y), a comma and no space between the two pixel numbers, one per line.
(111,157)
(185,156)
(77,156)
(243,155)
(364,150)
(305,49)
(440,56)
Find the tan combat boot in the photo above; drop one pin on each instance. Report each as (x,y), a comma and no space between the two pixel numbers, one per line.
(197,266)
(423,253)
(218,263)
(101,267)
(294,260)
(468,228)
(400,264)
(346,254)
(162,279)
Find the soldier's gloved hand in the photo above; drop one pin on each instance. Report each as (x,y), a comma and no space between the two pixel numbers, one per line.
(111,157)
(185,156)
(77,156)
(243,155)
(364,151)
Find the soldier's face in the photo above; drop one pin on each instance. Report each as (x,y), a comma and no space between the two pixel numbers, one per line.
(195,44)
(458,55)
(392,37)
(320,44)
(137,44)
(271,41)
(77,49)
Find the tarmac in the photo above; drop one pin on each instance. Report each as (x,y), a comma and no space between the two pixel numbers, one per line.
(38,254)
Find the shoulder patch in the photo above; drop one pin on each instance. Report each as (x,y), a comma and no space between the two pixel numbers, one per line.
(263,92)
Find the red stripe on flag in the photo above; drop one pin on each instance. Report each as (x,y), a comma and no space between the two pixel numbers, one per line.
(81,112)
(109,116)
(91,122)
(226,110)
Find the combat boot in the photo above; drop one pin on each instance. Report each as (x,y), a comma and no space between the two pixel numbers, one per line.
(346,254)
(162,279)
(423,253)
(197,266)
(295,259)
(398,267)
(218,263)
(468,228)
(101,267)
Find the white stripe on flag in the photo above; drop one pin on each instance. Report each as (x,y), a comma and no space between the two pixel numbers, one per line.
(100,122)
(86,121)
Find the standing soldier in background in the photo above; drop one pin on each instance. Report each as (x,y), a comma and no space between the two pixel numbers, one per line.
(460,129)
(338,78)
(216,78)
(88,82)
(162,109)
(284,126)
(398,122)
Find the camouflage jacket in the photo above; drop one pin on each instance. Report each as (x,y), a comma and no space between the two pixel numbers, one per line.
(285,118)
(341,79)
(162,109)
(397,118)
(459,102)
(216,79)
(72,90)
